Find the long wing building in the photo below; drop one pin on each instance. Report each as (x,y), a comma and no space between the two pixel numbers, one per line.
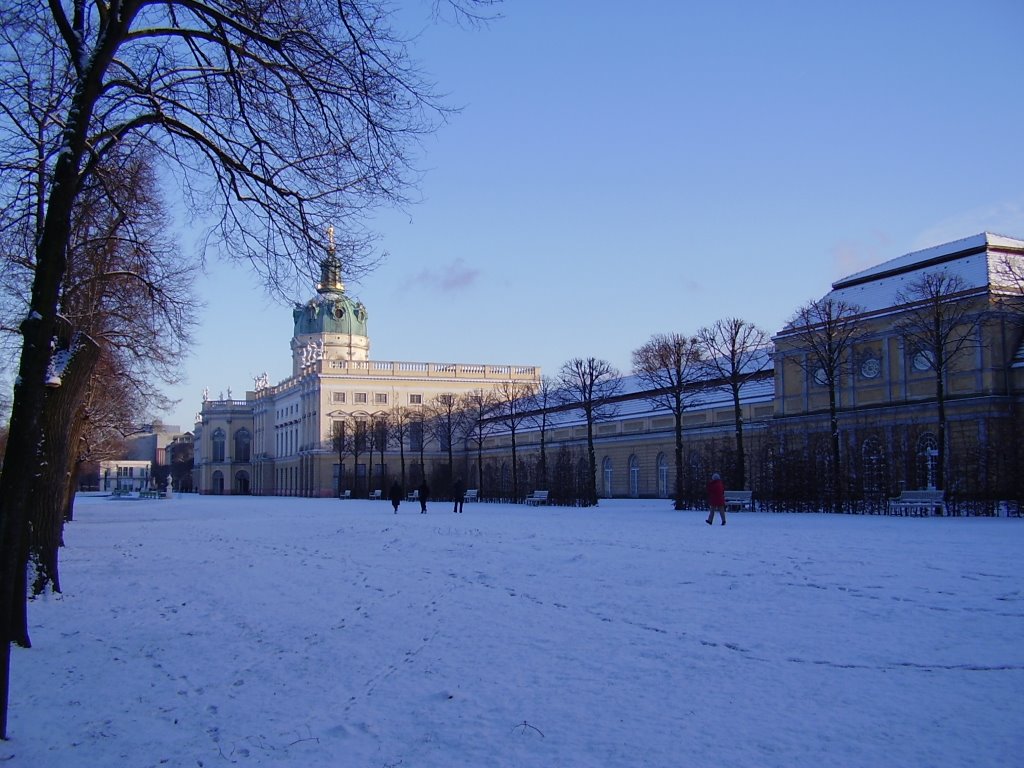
(904,404)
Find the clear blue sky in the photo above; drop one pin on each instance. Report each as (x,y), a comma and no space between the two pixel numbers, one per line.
(623,169)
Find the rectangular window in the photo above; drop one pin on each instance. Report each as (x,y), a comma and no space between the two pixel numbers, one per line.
(415,436)
(337,397)
(360,397)
(380,398)
(415,399)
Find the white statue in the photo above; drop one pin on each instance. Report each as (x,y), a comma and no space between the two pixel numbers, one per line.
(206,394)
(229,393)
(312,352)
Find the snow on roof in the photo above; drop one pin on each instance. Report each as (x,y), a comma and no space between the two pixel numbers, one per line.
(757,391)
(931,256)
(975,260)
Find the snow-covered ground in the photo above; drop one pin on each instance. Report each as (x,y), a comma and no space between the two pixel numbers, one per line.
(307,633)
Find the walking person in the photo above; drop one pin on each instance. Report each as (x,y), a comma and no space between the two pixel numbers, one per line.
(424,490)
(716,498)
(395,494)
(459,494)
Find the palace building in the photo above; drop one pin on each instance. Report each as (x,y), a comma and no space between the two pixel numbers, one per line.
(897,398)
(283,439)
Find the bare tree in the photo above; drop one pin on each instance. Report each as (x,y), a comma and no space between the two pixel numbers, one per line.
(512,403)
(340,442)
(669,366)
(446,420)
(401,419)
(478,407)
(63,425)
(350,436)
(734,352)
(938,327)
(1009,284)
(380,438)
(590,385)
(546,397)
(826,330)
(124,310)
(276,117)
(418,428)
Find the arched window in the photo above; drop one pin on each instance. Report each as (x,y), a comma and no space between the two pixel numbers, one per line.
(606,467)
(243,441)
(218,482)
(218,439)
(927,460)
(634,476)
(662,476)
(242,483)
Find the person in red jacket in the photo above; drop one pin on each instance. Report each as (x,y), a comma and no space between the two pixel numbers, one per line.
(716,498)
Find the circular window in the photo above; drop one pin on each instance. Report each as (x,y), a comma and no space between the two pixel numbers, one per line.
(870,368)
(923,361)
(820,377)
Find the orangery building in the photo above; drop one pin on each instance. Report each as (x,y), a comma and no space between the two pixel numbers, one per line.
(906,375)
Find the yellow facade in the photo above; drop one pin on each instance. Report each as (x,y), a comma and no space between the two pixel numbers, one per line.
(886,406)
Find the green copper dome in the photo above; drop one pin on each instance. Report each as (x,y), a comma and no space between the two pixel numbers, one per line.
(332,311)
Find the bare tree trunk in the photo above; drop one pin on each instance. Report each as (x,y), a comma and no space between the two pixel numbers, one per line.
(741,463)
(679,461)
(837,492)
(592,458)
(63,425)
(940,396)
(19,467)
(543,463)
(515,468)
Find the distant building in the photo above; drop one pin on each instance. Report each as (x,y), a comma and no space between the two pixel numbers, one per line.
(125,475)
(282,439)
(887,403)
(278,440)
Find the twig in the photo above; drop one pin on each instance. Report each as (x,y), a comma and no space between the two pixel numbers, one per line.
(524,725)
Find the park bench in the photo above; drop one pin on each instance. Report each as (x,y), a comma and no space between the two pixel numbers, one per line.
(346,494)
(537,497)
(737,500)
(376,494)
(472,495)
(918,503)
(413,495)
